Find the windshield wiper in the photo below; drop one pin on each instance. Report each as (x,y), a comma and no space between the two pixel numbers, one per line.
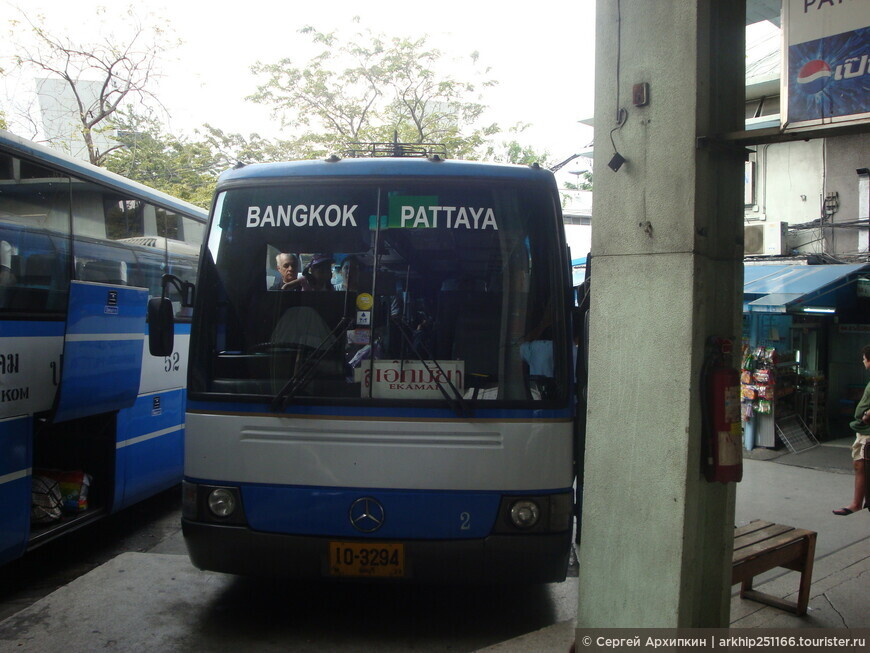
(457,401)
(303,375)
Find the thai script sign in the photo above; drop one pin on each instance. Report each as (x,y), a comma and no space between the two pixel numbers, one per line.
(29,374)
(411,379)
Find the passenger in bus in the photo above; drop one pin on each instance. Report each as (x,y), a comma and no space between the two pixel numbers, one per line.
(536,346)
(316,276)
(350,275)
(287,265)
(417,322)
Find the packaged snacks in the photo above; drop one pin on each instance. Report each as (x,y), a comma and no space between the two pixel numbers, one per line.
(73,488)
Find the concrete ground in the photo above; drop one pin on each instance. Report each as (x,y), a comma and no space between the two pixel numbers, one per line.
(801,490)
(157,601)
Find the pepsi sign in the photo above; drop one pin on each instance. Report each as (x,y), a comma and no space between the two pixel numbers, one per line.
(828,78)
(813,76)
(827,73)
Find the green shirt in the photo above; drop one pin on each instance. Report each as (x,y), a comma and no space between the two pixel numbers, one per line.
(862,407)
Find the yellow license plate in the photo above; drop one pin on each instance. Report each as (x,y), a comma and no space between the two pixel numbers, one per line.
(367,559)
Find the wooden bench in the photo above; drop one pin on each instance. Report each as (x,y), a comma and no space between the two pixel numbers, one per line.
(761,546)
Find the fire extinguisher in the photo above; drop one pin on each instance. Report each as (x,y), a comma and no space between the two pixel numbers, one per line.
(722,451)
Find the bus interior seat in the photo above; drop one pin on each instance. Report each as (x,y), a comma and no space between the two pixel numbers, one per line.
(476,341)
(15,265)
(40,270)
(301,325)
(305,327)
(114,272)
(10,272)
(455,303)
(7,258)
(463,284)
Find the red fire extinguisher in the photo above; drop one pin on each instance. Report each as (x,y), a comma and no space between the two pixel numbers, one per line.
(723,433)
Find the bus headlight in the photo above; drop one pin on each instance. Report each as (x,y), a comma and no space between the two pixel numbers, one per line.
(525,514)
(221,502)
(533,514)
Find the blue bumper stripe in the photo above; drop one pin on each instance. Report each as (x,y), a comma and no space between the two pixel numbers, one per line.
(407,515)
(376,412)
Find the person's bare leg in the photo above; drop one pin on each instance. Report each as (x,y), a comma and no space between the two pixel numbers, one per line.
(858,496)
(860,487)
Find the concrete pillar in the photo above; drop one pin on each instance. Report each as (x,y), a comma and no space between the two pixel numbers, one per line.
(667,249)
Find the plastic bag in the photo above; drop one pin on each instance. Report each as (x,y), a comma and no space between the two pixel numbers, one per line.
(46,501)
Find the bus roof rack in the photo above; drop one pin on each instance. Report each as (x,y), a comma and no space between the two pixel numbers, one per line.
(360,150)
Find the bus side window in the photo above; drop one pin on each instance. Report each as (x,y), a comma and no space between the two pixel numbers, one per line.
(114,272)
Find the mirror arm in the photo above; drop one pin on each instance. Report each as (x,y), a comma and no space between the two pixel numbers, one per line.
(185,289)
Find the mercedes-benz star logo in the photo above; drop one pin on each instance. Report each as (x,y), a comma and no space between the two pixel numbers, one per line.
(366,515)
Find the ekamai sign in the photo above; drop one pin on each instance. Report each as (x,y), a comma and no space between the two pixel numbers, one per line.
(405,212)
(410,379)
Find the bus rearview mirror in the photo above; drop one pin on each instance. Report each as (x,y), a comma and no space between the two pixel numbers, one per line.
(161,326)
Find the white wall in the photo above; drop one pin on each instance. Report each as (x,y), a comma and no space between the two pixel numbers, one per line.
(792,180)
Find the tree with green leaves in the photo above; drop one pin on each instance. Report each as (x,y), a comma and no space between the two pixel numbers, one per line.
(584,181)
(373,88)
(183,167)
(233,149)
(145,153)
(513,151)
(99,78)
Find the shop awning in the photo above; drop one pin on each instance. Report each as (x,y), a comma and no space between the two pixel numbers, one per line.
(792,288)
(578,271)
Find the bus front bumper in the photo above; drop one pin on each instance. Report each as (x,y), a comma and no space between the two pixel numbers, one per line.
(532,558)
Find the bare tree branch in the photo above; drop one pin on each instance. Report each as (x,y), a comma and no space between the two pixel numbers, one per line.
(101,77)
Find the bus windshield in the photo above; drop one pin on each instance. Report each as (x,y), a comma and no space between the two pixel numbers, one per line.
(382,291)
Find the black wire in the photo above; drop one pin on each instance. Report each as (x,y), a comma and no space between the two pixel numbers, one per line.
(624,115)
(618,58)
(621,114)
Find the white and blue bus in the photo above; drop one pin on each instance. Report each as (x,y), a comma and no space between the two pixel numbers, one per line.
(83,406)
(406,409)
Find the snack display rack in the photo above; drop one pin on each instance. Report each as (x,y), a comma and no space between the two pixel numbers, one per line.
(768,380)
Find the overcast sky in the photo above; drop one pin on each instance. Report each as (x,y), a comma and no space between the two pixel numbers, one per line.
(541,53)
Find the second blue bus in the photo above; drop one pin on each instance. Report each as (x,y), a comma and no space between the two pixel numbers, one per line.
(86,414)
